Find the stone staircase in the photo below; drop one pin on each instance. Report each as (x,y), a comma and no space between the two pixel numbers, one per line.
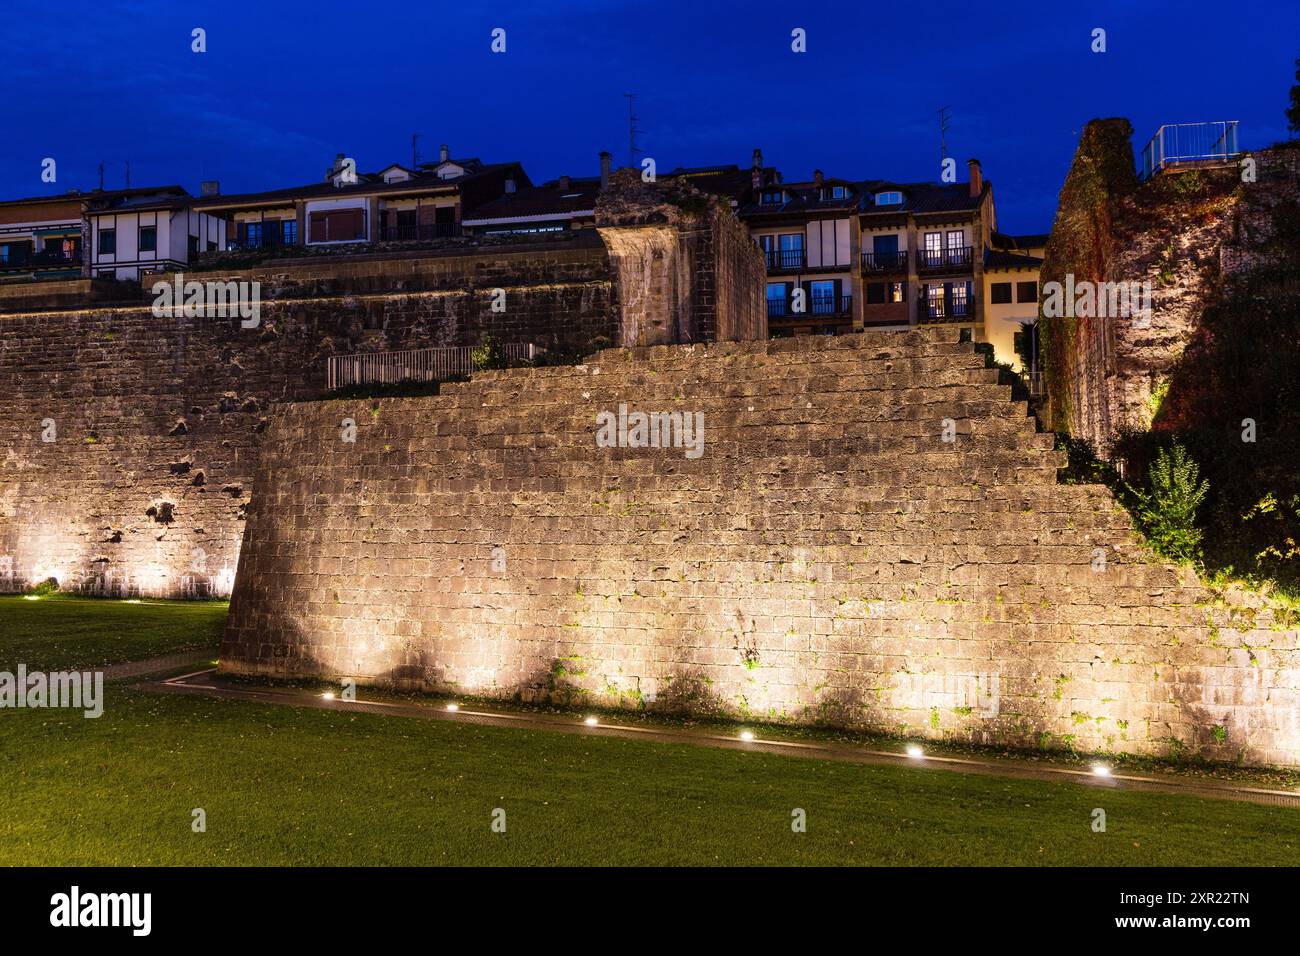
(872,537)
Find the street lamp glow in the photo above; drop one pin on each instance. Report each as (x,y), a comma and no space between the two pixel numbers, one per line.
(915,752)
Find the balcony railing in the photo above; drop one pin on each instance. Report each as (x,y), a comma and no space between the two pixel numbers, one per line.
(39,261)
(785,260)
(884,262)
(412,231)
(950,312)
(816,305)
(957,258)
(1190,144)
(258,242)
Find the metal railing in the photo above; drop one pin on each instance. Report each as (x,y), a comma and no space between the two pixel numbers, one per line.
(950,311)
(40,260)
(413,365)
(785,260)
(413,231)
(267,241)
(938,260)
(1179,144)
(884,261)
(816,305)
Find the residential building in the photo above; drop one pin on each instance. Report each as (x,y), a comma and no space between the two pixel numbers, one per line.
(1011,291)
(130,231)
(41,238)
(807,232)
(395,204)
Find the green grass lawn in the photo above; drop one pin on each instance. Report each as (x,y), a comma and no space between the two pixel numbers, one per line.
(286,785)
(59,632)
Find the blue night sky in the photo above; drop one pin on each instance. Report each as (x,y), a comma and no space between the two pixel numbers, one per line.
(286,84)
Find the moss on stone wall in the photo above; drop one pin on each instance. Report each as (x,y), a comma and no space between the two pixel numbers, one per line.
(1081,243)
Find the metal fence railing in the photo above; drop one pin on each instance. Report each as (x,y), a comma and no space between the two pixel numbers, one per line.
(1190,143)
(413,365)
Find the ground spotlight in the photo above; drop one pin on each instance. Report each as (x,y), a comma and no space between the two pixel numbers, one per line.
(453,707)
(328,695)
(591,721)
(746,735)
(1100,770)
(915,752)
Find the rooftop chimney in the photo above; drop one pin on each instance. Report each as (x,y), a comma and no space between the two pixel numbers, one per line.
(444,153)
(606,161)
(564,184)
(976,177)
(758,159)
(817,176)
(210,187)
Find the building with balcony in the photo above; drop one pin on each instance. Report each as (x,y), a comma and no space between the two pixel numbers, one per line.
(395,204)
(41,238)
(156,229)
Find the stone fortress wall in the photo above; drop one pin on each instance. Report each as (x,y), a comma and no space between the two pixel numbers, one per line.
(829,558)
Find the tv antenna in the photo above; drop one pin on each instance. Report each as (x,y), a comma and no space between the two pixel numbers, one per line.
(128,174)
(632,146)
(944,119)
(101,175)
(415,156)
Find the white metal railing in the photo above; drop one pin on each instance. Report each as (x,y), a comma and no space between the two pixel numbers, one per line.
(412,365)
(1179,143)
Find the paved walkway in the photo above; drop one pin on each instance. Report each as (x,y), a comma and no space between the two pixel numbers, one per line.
(157,665)
(207,683)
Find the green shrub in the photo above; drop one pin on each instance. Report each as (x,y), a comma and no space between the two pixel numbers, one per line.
(488,354)
(1166,511)
(46,587)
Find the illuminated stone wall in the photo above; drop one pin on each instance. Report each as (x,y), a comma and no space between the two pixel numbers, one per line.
(829,558)
(156,421)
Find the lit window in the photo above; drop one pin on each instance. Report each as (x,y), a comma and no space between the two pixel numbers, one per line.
(773,197)
(935,301)
(891,198)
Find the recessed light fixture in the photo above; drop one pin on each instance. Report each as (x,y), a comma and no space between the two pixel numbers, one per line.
(915,752)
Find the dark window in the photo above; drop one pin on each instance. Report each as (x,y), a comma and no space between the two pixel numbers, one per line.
(773,197)
(1000,293)
(193,246)
(148,238)
(107,242)
(289,232)
(876,293)
(253,235)
(1026,292)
